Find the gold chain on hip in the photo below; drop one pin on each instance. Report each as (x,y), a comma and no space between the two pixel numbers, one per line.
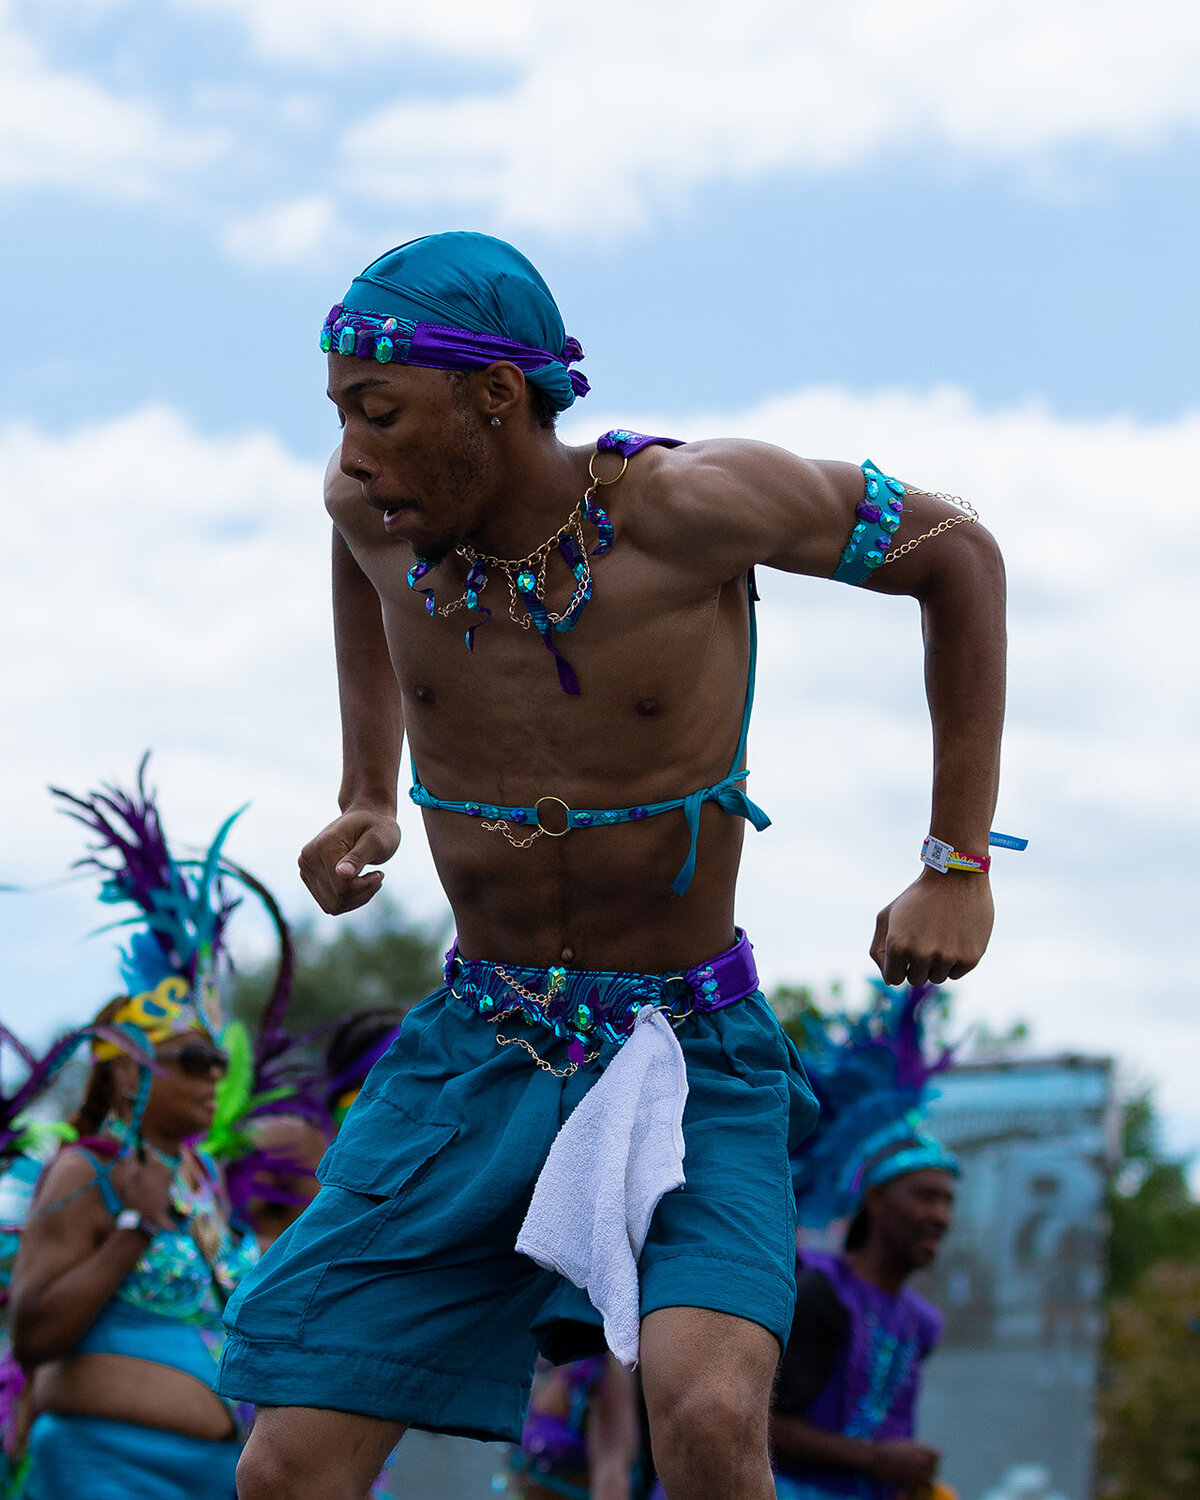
(533,997)
(966,512)
(563,1072)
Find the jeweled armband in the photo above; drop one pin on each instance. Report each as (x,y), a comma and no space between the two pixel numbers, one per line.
(878,520)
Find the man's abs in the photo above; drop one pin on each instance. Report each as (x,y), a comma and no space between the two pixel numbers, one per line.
(659,715)
(597,898)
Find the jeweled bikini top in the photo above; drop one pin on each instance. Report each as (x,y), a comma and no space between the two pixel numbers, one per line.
(522,825)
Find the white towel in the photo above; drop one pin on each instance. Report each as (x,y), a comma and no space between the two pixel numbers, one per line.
(618,1152)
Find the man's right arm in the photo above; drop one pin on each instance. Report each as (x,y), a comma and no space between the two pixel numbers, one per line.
(366,833)
(800,1445)
(820,1330)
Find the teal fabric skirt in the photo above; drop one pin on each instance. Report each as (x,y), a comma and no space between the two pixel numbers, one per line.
(399,1294)
(91,1458)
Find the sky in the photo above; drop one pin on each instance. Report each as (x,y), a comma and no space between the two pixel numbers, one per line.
(958,238)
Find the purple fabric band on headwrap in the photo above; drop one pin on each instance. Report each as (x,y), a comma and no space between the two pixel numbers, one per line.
(437,346)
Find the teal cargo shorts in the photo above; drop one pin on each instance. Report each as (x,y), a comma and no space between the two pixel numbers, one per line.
(398,1293)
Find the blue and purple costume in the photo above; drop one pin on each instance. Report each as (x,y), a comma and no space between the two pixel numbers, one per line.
(167,1311)
(872,1346)
(399,1293)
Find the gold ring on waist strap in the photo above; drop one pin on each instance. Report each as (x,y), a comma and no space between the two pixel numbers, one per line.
(550,832)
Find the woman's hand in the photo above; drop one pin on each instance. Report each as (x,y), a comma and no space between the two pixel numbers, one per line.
(146,1187)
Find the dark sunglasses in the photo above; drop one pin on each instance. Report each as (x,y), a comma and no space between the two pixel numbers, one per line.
(198,1061)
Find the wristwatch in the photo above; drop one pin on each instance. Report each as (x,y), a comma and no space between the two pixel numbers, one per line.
(129,1218)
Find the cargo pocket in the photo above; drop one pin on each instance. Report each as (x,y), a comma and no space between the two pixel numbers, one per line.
(381,1150)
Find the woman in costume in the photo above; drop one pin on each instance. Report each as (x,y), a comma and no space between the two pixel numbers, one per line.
(583,1437)
(129,1251)
(844,1405)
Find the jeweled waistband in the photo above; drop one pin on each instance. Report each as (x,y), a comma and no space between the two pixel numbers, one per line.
(590,1007)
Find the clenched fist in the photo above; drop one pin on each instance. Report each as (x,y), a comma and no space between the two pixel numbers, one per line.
(331,865)
(937,929)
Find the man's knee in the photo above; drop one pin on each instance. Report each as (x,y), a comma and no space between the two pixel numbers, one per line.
(707,1380)
(268,1472)
(262,1472)
(298,1454)
(707,1416)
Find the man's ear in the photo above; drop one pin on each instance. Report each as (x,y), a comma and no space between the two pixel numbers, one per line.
(500,391)
(873,1200)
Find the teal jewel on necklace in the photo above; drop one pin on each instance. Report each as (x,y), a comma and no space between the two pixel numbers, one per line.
(525,575)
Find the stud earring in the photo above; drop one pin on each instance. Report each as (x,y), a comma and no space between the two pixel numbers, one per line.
(495,421)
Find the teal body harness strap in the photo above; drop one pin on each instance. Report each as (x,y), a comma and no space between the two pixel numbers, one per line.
(727,794)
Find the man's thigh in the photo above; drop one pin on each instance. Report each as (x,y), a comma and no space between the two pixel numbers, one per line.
(725,1241)
(691,1353)
(301,1451)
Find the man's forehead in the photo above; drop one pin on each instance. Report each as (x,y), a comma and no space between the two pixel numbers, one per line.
(347,377)
(350,377)
(928,1180)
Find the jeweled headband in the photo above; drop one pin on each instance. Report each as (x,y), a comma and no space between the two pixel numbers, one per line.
(437,346)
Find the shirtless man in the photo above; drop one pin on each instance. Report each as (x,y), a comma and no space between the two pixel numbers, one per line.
(398,1298)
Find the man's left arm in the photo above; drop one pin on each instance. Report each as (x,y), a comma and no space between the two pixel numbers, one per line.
(939,927)
(738,504)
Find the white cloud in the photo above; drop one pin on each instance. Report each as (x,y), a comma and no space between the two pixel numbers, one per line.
(377,32)
(586,119)
(164,588)
(294,232)
(60,129)
(614,108)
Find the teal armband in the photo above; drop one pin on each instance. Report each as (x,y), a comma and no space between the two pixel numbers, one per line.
(877,521)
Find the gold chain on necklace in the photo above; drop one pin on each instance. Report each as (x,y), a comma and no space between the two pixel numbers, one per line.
(535,562)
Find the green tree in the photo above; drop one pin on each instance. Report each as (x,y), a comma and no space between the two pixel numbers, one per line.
(1152,1214)
(1150,1398)
(793,1003)
(382,960)
(1149,1402)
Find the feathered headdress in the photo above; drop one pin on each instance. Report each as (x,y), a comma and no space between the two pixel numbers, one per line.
(871,1079)
(18,1133)
(171,962)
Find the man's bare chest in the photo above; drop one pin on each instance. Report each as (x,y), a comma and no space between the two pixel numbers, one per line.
(660,664)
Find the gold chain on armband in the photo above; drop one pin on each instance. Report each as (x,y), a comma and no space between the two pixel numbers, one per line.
(966,512)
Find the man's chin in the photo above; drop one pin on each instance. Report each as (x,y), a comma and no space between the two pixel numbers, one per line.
(408,526)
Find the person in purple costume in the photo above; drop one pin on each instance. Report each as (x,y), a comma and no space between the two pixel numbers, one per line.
(582,1435)
(565,637)
(844,1406)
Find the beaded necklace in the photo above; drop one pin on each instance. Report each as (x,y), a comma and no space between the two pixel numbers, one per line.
(194,1209)
(526,577)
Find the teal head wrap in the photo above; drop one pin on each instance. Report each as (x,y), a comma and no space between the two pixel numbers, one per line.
(458,301)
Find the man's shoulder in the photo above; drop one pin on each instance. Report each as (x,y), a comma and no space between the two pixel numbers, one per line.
(927,1319)
(703,496)
(817,1296)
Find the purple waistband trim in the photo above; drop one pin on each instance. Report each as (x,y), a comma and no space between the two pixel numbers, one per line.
(590,1007)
